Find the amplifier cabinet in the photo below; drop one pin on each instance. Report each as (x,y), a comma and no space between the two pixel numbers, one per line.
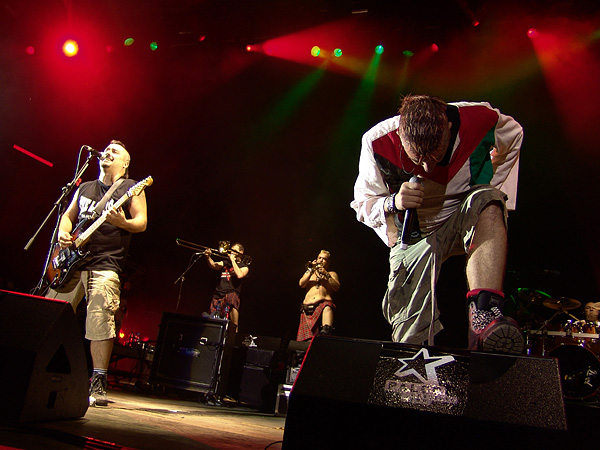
(188,352)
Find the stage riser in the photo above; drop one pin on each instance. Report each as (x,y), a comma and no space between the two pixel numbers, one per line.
(365,394)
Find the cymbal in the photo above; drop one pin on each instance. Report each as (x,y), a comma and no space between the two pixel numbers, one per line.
(532,295)
(562,303)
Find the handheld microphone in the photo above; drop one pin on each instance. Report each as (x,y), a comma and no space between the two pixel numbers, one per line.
(407,225)
(93,152)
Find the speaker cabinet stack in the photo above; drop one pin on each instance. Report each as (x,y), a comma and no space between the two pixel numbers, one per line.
(379,395)
(257,368)
(189,352)
(43,368)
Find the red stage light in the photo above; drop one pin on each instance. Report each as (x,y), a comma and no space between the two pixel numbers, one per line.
(70,48)
(532,33)
(434,48)
(30,50)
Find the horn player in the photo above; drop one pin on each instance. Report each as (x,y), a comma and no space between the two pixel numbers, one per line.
(320,284)
(226,297)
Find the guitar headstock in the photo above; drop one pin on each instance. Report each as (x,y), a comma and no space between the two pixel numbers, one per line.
(137,188)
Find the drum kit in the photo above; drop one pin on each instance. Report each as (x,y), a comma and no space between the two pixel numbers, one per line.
(574,342)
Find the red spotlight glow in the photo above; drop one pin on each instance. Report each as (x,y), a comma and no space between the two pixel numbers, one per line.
(475,23)
(109,48)
(434,48)
(532,33)
(202,38)
(70,48)
(30,50)
(249,48)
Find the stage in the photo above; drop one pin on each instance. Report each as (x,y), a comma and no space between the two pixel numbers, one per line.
(151,420)
(142,415)
(137,420)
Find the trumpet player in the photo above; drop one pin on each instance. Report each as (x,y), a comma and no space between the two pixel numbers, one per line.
(320,284)
(226,297)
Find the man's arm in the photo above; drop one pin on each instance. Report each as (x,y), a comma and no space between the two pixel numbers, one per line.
(331,278)
(138,212)
(240,272)
(66,222)
(211,263)
(303,282)
(370,195)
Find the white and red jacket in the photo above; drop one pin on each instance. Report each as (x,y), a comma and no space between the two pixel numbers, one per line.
(484,149)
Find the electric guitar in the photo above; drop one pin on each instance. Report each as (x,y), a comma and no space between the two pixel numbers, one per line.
(64,262)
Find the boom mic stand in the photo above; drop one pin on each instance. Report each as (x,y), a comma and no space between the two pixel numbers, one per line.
(193,260)
(59,208)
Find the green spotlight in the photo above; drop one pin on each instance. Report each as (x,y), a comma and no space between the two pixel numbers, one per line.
(379,49)
(128,42)
(337,52)
(153,46)
(315,51)
(408,53)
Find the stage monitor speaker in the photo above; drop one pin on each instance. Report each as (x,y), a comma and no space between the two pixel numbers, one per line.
(381,395)
(43,367)
(188,352)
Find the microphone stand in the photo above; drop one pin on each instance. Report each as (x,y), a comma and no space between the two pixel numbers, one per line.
(193,260)
(59,207)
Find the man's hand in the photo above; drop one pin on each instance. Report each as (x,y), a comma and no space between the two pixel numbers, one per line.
(64,239)
(409,196)
(116,217)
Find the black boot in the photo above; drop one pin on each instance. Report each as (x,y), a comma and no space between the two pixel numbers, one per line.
(326,330)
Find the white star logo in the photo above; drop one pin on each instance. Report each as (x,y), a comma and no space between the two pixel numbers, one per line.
(419,361)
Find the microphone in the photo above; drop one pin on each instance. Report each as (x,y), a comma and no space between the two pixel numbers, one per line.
(93,152)
(407,225)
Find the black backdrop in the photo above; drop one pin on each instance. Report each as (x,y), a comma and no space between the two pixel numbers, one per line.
(232,160)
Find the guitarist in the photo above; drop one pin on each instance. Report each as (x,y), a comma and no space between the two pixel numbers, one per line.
(98,277)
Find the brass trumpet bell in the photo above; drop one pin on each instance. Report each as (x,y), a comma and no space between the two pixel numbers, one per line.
(310,265)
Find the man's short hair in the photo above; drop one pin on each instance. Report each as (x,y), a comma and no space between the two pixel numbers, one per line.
(423,121)
(116,142)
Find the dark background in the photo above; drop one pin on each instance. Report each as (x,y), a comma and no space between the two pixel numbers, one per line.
(263,149)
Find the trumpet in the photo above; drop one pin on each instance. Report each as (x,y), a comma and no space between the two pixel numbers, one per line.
(223,251)
(312,266)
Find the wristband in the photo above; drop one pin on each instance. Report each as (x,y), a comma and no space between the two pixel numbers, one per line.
(390,204)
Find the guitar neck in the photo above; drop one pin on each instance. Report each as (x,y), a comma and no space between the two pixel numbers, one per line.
(83,237)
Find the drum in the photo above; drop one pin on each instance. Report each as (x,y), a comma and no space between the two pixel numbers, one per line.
(590,327)
(571,326)
(591,338)
(579,371)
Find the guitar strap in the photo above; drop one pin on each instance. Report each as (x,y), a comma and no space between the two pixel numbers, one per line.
(102,203)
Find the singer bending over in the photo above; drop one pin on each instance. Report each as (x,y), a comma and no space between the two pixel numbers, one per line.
(465,157)
(320,284)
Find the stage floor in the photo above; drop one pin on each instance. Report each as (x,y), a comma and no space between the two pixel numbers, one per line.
(150,421)
(143,420)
